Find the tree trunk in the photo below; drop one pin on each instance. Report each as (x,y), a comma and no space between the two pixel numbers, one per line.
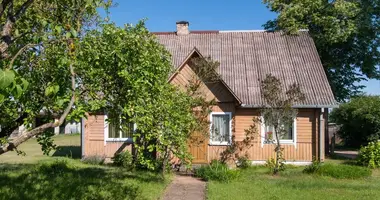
(36,131)
(277,149)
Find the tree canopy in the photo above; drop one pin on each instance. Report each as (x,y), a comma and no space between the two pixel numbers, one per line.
(346,34)
(358,120)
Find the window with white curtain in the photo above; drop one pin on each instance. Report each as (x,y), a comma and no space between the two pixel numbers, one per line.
(289,137)
(121,130)
(220,130)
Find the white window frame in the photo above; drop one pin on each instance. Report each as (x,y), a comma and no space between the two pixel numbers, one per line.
(107,139)
(230,128)
(285,142)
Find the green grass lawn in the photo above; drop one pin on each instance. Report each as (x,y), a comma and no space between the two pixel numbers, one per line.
(256,183)
(64,176)
(68,146)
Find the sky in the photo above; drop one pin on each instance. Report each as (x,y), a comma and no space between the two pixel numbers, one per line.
(161,15)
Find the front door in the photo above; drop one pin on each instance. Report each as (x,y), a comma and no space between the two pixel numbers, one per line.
(198,148)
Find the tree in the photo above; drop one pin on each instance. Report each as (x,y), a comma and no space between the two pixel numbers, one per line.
(128,72)
(359,120)
(346,34)
(39,57)
(278,112)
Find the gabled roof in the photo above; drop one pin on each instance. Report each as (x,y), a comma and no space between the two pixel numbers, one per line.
(246,57)
(195,53)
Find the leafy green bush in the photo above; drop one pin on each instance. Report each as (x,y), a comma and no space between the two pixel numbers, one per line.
(370,155)
(271,164)
(343,171)
(94,160)
(244,162)
(313,167)
(123,159)
(359,120)
(216,171)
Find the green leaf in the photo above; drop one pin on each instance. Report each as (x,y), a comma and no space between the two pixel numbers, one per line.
(74,33)
(17,92)
(58,29)
(51,90)
(6,78)
(1,98)
(68,35)
(25,84)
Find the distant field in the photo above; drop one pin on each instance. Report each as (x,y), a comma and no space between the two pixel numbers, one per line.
(68,146)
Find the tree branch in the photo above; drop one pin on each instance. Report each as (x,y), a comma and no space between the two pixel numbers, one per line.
(23,8)
(36,131)
(3,6)
(19,52)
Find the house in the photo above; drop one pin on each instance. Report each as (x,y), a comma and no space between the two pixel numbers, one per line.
(245,58)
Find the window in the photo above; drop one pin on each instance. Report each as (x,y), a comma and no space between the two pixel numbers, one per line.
(220,133)
(268,134)
(119,131)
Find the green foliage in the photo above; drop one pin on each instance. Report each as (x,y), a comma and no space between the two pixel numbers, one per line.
(46,141)
(346,34)
(343,171)
(313,167)
(369,155)
(359,120)
(271,164)
(216,171)
(244,162)
(94,160)
(123,159)
(37,52)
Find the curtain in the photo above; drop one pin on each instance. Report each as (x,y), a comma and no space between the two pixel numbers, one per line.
(113,130)
(220,128)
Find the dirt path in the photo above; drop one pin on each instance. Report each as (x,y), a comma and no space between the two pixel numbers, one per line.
(347,154)
(185,187)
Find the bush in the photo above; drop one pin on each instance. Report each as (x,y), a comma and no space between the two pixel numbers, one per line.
(313,167)
(216,171)
(359,120)
(369,155)
(343,171)
(94,160)
(243,162)
(271,164)
(123,159)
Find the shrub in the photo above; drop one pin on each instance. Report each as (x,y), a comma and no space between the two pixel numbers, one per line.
(123,159)
(94,160)
(243,162)
(216,171)
(343,171)
(313,167)
(359,120)
(369,155)
(271,164)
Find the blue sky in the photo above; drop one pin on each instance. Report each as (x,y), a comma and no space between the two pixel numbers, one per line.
(202,15)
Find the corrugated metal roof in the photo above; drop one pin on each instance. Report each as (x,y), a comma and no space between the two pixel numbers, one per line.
(246,57)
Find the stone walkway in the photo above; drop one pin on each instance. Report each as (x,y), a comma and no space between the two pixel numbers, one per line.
(185,187)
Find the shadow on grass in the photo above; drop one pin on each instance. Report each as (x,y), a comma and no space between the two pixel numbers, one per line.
(61,180)
(68,151)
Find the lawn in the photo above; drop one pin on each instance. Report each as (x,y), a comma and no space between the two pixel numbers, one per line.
(64,176)
(256,183)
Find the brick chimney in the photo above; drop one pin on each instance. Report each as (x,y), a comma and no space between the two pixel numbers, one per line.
(182,28)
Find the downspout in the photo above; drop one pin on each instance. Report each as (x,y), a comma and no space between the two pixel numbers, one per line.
(321,135)
(82,132)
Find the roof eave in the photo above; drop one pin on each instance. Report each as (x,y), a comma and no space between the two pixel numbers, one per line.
(295,106)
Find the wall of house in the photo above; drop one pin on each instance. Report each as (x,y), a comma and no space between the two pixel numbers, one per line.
(94,139)
(307,137)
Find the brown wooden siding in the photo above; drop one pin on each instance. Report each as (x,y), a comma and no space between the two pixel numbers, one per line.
(306,137)
(94,143)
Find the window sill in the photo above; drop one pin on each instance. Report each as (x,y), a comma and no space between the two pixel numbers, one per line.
(219,144)
(119,140)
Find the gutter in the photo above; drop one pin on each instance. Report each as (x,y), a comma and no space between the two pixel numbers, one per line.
(295,106)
